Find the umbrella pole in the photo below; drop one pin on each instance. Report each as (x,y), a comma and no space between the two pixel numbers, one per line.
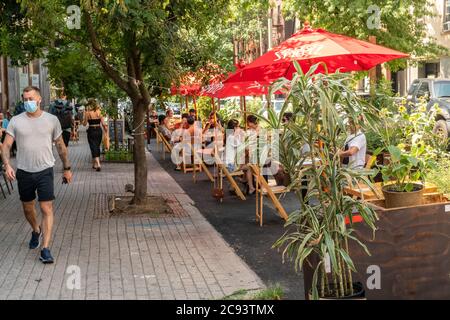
(245,112)
(187,104)
(195,107)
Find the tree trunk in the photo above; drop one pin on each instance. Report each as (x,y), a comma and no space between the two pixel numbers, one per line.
(140,159)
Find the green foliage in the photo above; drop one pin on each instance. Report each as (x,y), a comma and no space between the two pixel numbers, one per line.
(320,104)
(271,293)
(232,109)
(118,156)
(411,143)
(18,40)
(204,107)
(440,175)
(73,68)
(140,46)
(405,168)
(374,141)
(400,28)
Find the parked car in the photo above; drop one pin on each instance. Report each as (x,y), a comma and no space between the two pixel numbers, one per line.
(435,91)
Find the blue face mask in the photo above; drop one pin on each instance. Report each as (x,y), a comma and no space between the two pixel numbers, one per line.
(30,106)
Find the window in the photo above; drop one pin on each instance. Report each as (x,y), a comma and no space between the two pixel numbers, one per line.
(446,15)
(413,87)
(442,89)
(432,70)
(424,90)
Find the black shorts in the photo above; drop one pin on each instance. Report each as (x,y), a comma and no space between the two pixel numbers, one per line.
(29,183)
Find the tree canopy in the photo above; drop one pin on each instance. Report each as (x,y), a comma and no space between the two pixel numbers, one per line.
(397,24)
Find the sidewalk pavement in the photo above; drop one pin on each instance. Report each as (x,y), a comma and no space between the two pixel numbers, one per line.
(180,257)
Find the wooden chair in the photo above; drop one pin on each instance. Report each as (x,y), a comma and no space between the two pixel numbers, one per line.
(264,189)
(223,171)
(165,145)
(188,164)
(158,139)
(199,160)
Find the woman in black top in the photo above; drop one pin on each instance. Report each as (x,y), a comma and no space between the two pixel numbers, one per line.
(94,118)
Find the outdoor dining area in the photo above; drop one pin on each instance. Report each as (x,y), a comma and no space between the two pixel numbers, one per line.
(358,206)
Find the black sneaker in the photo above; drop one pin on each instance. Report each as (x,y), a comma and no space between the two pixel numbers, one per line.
(46,256)
(35,239)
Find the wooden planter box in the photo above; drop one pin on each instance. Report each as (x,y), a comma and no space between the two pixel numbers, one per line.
(411,248)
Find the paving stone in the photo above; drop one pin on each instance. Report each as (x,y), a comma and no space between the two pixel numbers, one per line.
(181,257)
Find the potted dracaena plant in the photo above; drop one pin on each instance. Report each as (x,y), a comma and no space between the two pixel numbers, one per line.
(319,232)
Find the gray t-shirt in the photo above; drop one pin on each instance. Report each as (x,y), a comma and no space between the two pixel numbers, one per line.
(34,138)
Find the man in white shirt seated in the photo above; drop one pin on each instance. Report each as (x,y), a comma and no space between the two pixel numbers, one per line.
(354,155)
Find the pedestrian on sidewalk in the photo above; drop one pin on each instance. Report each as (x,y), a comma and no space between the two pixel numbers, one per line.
(64,112)
(35,131)
(94,118)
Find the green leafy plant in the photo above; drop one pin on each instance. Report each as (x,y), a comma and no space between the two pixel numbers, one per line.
(406,168)
(413,146)
(274,292)
(440,175)
(233,110)
(317,230)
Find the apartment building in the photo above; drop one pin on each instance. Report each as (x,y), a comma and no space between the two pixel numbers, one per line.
(14,79)
(438,27)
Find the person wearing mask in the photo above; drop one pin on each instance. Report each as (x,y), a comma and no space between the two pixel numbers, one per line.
(354,153)
(35,132)
(97,125)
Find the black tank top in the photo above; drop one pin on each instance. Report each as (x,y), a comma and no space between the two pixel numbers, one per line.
(93,122)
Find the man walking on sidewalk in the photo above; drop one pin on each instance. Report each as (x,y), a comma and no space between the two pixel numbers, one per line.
(35,131)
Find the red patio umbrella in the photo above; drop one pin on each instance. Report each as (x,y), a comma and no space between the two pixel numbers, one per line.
(311,46)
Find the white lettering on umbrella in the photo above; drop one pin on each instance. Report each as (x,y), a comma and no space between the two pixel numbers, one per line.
(298,53)
(212,88)
(255,85)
